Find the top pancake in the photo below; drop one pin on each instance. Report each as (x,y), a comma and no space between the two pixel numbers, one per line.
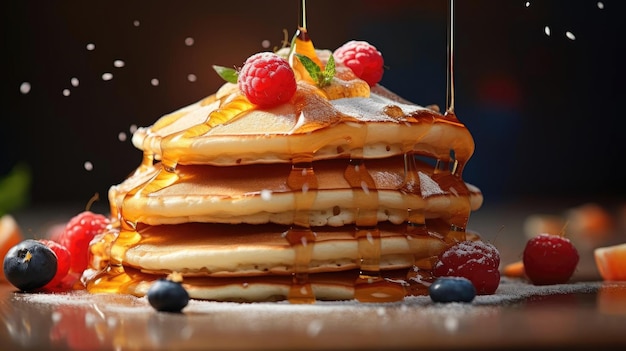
(225,129)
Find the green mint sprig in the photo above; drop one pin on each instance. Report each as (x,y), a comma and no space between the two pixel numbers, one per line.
(321,78)
(228,74)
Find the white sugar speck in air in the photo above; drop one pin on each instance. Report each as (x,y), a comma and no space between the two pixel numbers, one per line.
(546,30)
(91,46)
(107,76)
(132,128)
(570,35)
(74,81)
(88,166)
(25,88)
(192,77)
(189,41)
(136,23)
(154,82)
(119,63)
(527,3)
(265,43)
(122,136)
(600,5)
(66,92)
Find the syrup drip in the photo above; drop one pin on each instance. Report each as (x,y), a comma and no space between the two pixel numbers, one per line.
(224,114)
(370,286)
(450,76)
(303,181)
(447,173)
(302,44)
(416,219)
(419,277)
(106,255)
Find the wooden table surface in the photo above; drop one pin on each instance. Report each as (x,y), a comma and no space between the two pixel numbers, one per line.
(588,313)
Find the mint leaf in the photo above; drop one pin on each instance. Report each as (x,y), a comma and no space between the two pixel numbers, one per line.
(329,71)
(311,67)
(320,78)
(228,74)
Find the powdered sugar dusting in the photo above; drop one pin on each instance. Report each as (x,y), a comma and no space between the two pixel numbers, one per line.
(372,109)
(428,186)
(509,291)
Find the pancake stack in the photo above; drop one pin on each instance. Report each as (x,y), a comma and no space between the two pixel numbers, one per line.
(344,192)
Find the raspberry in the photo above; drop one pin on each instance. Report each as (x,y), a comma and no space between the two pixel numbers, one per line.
(475,260)
(549,259)
(363,59)
(267,80)
(63,263)
(78,233)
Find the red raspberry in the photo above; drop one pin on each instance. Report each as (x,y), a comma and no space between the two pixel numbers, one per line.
(363,59)
(549,259)
(63,263)
(267,80)
(475,260)
(78,233)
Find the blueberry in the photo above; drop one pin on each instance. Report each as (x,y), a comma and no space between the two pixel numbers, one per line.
(167,296)
(30,265)
(452,289)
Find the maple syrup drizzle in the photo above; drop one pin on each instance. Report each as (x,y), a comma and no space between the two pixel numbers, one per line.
(370,286)
(302,44)
(303,182)
(450,59)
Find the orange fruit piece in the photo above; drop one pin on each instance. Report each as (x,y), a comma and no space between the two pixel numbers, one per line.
(514,270)
(10,235)
(611,261)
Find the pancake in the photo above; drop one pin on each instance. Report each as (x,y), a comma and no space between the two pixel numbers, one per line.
(259,193)
(207,249)
(346,191)
(324,286)
(374,127)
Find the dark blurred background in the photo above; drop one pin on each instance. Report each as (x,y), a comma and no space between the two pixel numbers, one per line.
(544,108)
